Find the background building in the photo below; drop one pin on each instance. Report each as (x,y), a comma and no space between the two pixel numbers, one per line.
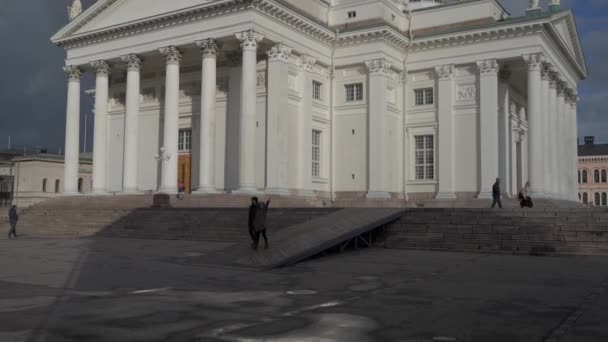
(593,173)
(31,178)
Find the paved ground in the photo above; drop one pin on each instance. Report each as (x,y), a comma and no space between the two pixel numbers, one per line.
(141,290)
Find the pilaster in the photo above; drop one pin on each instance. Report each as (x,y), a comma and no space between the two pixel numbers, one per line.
(379,71)
(445,96)
(277,124)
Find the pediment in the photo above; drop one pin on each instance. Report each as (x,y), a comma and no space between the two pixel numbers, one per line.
(107,14)
(565,27)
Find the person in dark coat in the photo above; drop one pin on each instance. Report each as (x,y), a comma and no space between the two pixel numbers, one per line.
(496,194)
(260,224)
(253,208)
(13,218)
(524,197)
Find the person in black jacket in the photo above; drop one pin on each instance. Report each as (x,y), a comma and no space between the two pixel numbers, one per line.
(13,218)
(253,209)
(496,194)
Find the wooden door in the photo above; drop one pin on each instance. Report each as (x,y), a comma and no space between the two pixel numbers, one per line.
(184,171)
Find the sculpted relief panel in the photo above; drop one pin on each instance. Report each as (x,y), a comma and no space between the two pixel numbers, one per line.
(466,92)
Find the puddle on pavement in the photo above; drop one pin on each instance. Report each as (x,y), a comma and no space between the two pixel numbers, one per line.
(302,292)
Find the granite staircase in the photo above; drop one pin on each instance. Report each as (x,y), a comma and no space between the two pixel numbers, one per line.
(557,231)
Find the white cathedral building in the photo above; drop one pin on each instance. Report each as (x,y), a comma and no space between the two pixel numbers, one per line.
(413,99)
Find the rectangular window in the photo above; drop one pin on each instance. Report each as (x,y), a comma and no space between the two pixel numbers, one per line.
(316,153)
(424,96)
(354,92)
(424,157)
(316,90)
(185,140)
(352,14)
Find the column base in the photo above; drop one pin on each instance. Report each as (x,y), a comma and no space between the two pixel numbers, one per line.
(167,190)
(246,191)
(306,193)
(485,195)
(277,191)
(378,195)
(445,195)
(206,191)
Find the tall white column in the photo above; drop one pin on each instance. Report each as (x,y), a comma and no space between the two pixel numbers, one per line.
(488,83)
(100,137)
(209,50)
(561,140)
(249,45)
(305,128)
(131,123)
(277,124)
(535,123)
(504,132)
(545,117)
(379,72)
(72,131)
(170,153)
(573,151)
(552,151)
(445,96)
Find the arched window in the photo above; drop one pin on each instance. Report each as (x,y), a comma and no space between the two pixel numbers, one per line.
(579,176)
(585,198)
(580,198)
(44,185)
(597,199)
(604,180)
(80,182)
(57,184)
(604,199)
(596,176)
(584,176)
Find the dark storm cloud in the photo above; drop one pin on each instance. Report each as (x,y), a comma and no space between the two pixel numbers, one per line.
(33,87)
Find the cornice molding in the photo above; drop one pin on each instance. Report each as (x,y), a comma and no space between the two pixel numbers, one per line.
(385,33)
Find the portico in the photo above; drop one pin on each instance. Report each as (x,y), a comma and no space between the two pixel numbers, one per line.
(274,102)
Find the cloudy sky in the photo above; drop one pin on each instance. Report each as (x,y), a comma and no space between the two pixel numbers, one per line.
(32,85)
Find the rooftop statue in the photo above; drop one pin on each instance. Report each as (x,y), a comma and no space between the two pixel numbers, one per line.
(534,4)
(75,9)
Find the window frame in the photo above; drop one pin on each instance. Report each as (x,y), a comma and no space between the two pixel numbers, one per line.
(44,185)
(585,177)
(604,176)
(317,144)
(317,90)
(585,198)
(426,95)
(604,199)
(357,96)
(184,140)
(427,168)
(597,200)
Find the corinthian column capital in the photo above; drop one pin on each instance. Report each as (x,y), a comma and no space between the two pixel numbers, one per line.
(488,67)
(445,72)
(279,53)
(308,62)
(249,39)
(209,47)
(172,54)
(72,72)
(102,68)
(378,66)
(534,61)
(133,62)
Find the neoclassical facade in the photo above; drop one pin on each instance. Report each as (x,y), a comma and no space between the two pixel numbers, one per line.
(327,98)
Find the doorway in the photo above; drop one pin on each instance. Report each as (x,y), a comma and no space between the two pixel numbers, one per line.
(184,171)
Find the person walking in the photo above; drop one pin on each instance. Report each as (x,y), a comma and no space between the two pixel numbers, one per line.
(260,224)
(253,208)
(496,194)
(524,196)
(13,218)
